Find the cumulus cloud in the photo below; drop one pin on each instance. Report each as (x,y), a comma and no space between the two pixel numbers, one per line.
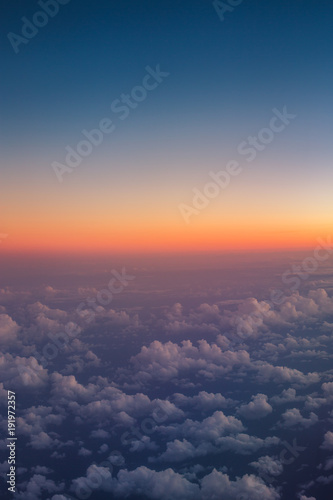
(33,424)
(203,401)
(210,429)
(254,317)
(328,441)
(99,402)
(41,469)
(280,374)
(248,486)
(43,321)
(83,452)
(8,330)
(188,425)
(212,435)
(286,396)
(100,434)
(22,372)
(37,485)
(267,465)
(328,391)
(169,485)
(293,417)
(257,408)
(169,360)
(162,485)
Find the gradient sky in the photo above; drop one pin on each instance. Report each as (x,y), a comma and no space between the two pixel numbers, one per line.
(225,79)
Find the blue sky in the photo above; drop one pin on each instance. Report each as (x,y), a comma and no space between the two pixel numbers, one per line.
(224,80)
(224,76)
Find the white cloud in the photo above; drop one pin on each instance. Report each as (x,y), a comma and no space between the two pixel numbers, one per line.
(328,441)
(169,360)
(293,417)
(83,452)
(8,330)
(268,465)
(286,396)
(37,485)
(169,485)
(217,485)
(22,372)
(203,401)
(257,408)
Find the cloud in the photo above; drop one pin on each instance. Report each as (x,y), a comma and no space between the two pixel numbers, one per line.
(33,424)
(242,444)
(210,429)
(218,485)
(257,408)
(103,448)
(329,464)
(100,434)
(254,317)
(37,485)
(100,401)
(328,441)
(3,395)
(293,417)
(169,360)
(83,452)
(8,330)
(163,485)
(267,465)
(41,469)
(44,320)
(22,372)
(327,388)
(279,374)
(42,441)
(286,396)
(169,485)
(203,401)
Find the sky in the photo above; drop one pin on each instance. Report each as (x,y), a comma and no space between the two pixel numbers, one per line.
(223,79)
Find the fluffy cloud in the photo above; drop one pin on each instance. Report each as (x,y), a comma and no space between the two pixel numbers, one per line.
(254,317)
(169,485)
(168,361)
(257,408)
(163,485)
(22,372)
(44,320)
(34,423)
(279,374)
(328,441)
(83,452)
(293,417)
(100,401)
(203,401)
(267,465)
(286,396)
(210,429)
(8,330)
(248,487)
(241,444)
(328,391)
(100,434)
(37,485)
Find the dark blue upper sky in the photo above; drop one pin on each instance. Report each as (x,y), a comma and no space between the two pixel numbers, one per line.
(263,53)
(225,79)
